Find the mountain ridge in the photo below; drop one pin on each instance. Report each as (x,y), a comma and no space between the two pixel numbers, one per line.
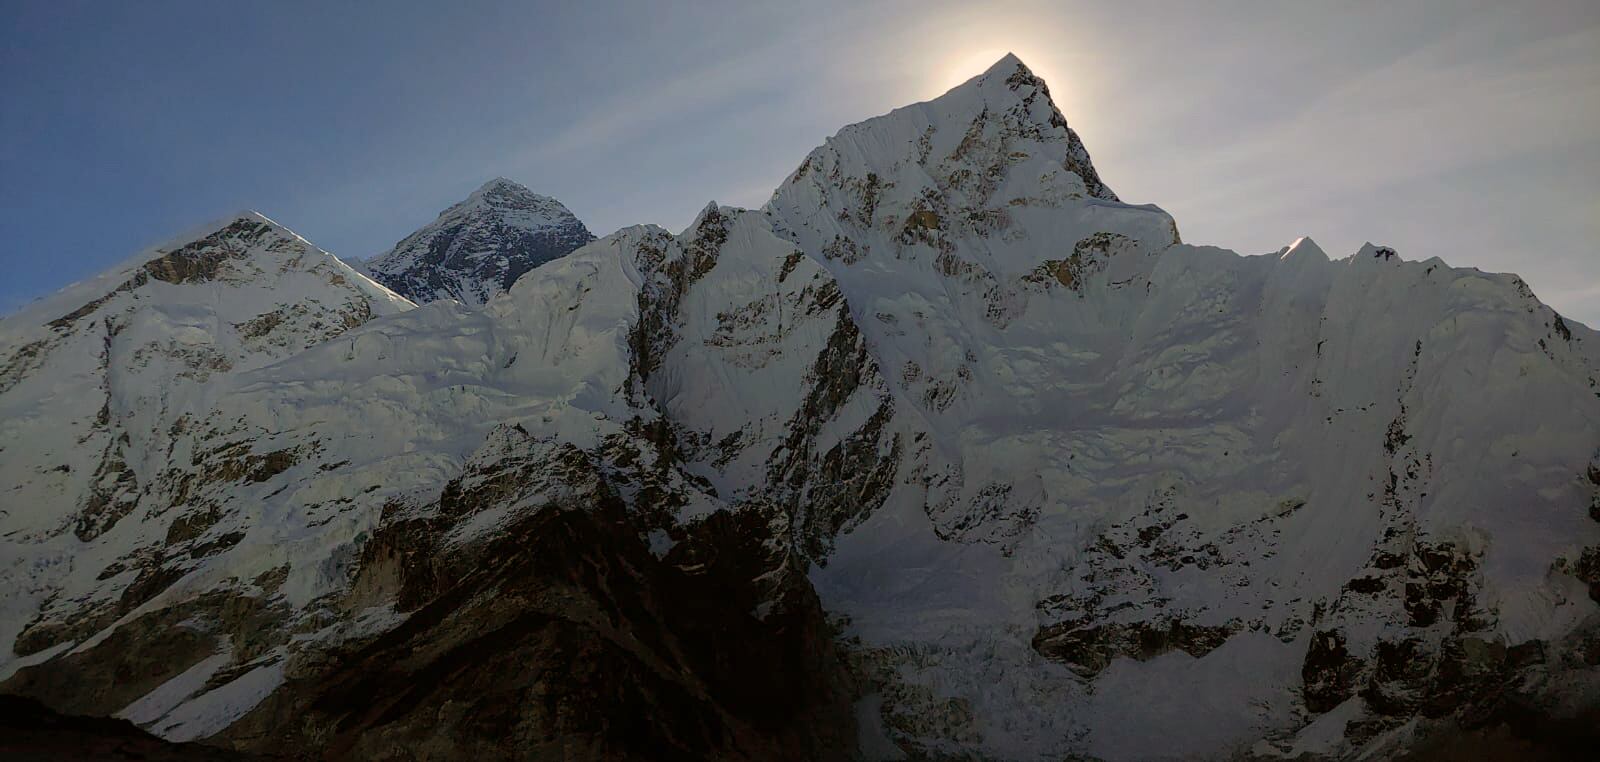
(994,453)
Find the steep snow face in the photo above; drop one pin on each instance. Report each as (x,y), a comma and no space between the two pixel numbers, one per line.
(1145,450)
(101,382)
(479,247)
(1070,485)
(966,233)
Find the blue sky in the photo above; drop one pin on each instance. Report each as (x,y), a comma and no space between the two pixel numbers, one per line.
(1459,129)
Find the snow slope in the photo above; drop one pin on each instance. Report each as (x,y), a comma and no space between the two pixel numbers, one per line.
(1065,484)
(101,383)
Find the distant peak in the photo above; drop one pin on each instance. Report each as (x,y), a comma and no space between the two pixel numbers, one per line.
(478,246)
(503,184)
(220,223)
(248,214)
(502,196)
(1303,247)
(500,187)
(710,213)
(1371,252)
(214,227)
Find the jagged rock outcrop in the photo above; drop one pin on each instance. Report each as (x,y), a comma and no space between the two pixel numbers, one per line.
(945,452)
(479,247)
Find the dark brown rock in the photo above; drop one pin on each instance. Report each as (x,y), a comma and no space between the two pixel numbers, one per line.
(1329,672)
(1089,648)
(564,637)
(154,647)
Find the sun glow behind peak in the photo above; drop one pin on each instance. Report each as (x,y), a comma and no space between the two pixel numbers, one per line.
(952,70)
(965,65)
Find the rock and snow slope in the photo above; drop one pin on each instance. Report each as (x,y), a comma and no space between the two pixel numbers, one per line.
(1064,484)
(102,381)
(479,247)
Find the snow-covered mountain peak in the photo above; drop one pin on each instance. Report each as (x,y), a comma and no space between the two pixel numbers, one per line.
(1370,251)
(1303,247)
(990,159)
(1010,89)
(510,196)
(230,251)
(1007,63)
(1008,72)
(509,202)
(478,247)
(503,184)
(109,370)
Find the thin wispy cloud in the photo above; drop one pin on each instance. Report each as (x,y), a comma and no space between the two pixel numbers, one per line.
(1457,129)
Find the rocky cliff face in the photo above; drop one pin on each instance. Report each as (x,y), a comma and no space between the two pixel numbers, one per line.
(946,452)
(479,247)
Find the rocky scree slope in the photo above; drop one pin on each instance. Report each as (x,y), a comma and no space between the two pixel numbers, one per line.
(479,247)
(945,452)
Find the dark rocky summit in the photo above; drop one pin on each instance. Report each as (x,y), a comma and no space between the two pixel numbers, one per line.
(479,247)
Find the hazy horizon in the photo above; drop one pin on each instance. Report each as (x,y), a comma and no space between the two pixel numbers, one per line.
(1458,130)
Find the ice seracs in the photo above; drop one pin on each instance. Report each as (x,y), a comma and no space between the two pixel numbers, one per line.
(479,247)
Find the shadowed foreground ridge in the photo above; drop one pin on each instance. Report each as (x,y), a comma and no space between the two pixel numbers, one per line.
(31,732)
(564,638)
